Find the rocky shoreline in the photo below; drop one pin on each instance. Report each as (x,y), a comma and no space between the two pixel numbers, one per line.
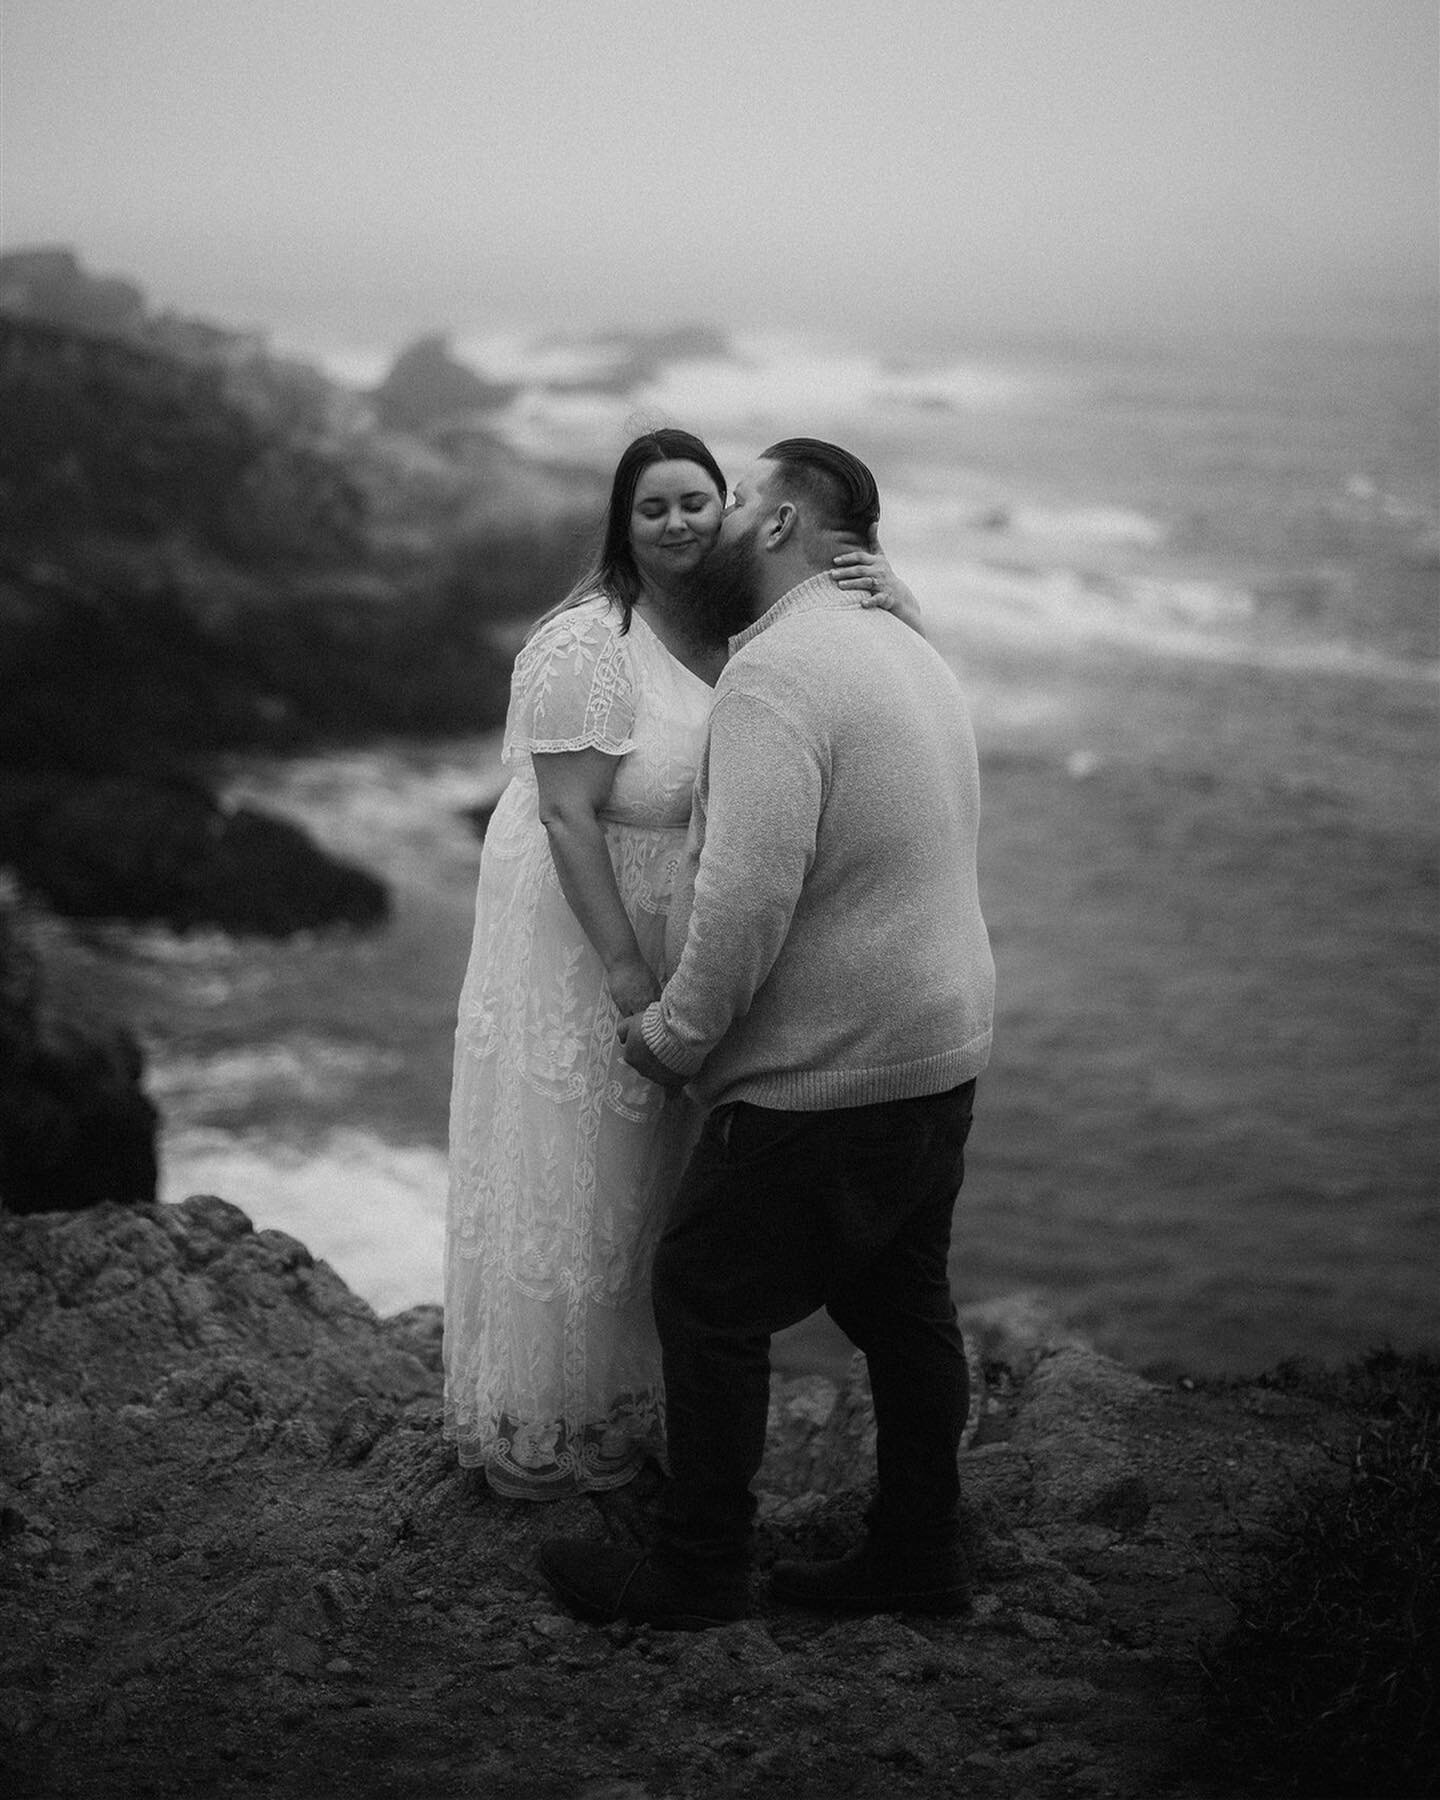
(236,1557)
(209,550)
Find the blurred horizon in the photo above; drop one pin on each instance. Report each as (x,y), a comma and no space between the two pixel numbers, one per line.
(556,353)
(343,180)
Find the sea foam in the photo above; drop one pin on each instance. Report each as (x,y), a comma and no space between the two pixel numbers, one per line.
(374,1211)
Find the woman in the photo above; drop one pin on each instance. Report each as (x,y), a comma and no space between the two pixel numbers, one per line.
(561,1157)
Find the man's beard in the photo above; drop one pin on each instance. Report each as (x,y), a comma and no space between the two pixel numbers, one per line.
(720,595)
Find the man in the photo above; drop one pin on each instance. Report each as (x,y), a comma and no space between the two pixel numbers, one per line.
(832,1006)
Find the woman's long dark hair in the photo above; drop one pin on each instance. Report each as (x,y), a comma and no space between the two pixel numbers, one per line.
(611,570)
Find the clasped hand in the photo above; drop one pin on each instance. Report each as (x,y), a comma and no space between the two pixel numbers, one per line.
(641,1057)
(632,986)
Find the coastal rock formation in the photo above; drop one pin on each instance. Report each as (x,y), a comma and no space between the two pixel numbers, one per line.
(167,850)
(427,386)
(48,283)
(206,549)
(236,1555)
(76,1126)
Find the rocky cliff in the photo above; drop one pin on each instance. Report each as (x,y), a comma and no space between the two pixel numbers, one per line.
(238,1558)
(207,550)
(76,1126)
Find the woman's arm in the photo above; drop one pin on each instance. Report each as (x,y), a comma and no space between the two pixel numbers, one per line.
(879,585)
(574,785)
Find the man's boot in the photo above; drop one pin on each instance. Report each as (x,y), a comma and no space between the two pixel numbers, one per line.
(878,1576)
(606,1582)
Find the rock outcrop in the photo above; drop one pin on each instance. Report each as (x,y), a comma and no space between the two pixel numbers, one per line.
(76,1126)
(427,386)
(160,850)
(236,1556)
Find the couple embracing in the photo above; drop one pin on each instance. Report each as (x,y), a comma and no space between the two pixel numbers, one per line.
(728,996)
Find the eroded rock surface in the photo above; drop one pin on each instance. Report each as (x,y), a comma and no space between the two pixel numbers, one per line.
(236,1558)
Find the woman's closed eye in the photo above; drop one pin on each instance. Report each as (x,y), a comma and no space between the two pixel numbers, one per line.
(690,503)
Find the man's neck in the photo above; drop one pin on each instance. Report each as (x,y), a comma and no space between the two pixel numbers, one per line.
(778,576)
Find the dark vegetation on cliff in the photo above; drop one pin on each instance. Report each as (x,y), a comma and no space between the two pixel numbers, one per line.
(1329,1681)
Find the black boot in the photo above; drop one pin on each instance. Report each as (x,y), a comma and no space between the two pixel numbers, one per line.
(878,1577)
(605,1582)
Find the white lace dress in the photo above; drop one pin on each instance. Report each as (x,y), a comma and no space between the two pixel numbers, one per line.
(562,1158)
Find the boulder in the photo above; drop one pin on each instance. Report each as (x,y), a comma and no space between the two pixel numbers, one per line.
(1076,1423)
(163,848)
(76,1127)
(185,1313)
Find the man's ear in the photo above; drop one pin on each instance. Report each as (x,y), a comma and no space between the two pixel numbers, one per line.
(784,523)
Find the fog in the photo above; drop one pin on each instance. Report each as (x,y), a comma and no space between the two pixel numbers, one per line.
(346,175)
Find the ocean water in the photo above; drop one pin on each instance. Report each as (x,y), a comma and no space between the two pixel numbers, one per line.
(1192,593)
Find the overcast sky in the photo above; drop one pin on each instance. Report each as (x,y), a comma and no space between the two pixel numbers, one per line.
(351,172)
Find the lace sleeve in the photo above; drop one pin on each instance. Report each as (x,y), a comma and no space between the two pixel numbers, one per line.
(573,687)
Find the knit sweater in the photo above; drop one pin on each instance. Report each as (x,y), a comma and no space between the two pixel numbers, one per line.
(827,943)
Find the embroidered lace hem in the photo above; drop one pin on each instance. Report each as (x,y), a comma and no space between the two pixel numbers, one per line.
(544,1462)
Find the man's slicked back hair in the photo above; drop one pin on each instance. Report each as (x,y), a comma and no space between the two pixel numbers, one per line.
(838,487)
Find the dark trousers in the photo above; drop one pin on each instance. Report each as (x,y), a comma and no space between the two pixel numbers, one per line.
(779,1214)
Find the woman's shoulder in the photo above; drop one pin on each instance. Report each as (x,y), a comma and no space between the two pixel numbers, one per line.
(581,642)
(592,619)
(594,612)
(573,684)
